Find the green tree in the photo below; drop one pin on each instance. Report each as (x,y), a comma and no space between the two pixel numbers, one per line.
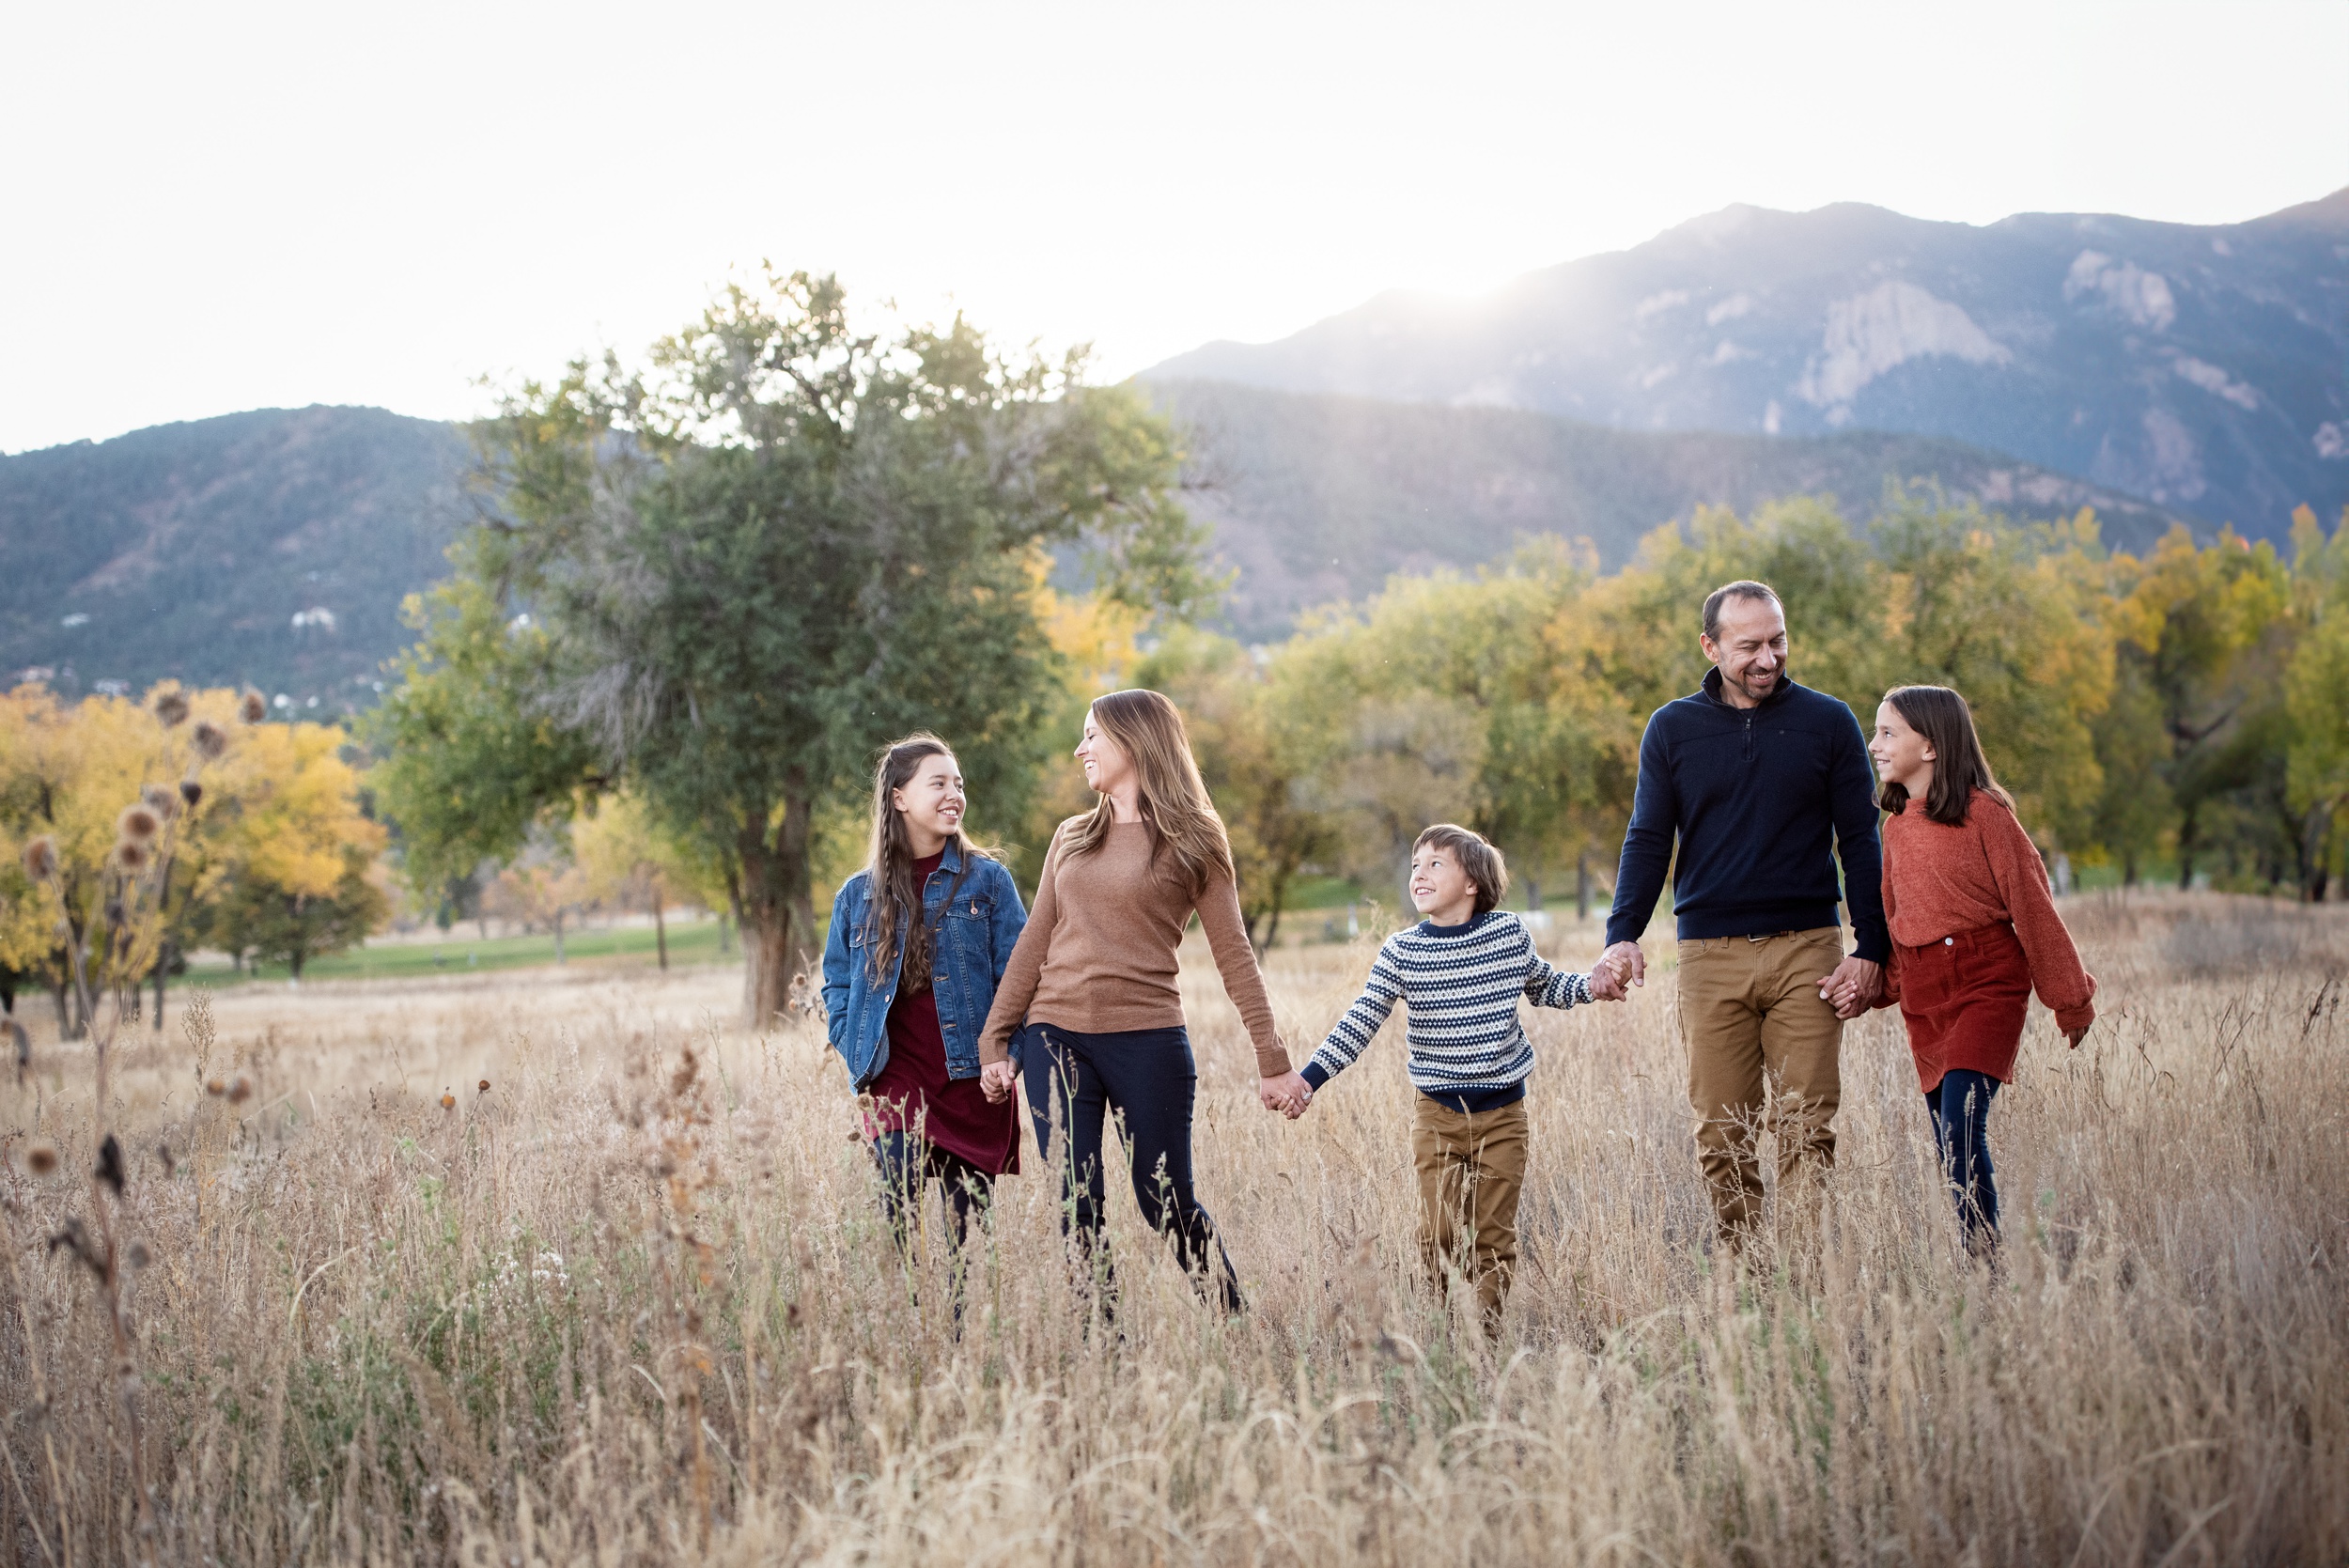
(2197,622)
(1251,767)
(787,543)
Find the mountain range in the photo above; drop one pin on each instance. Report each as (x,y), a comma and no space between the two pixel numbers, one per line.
(2156,372)
(2200,368)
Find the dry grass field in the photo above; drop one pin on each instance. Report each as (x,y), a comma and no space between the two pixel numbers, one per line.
(633,1303)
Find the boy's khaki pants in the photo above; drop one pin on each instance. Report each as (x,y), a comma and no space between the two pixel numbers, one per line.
(1470,1171)
(1762,1046)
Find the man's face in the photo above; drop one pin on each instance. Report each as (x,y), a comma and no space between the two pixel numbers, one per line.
(1751,651)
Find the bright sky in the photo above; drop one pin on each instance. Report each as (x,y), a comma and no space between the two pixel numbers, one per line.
(214,208)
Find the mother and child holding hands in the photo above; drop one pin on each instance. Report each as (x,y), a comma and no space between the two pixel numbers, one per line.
(945,997)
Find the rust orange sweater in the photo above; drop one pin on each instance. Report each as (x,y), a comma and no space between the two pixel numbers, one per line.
(1097,954)
(1939,881)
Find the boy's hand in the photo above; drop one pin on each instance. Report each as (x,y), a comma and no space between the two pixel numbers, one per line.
(1288,1093)
(1620,967)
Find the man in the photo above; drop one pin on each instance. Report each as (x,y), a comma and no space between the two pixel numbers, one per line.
(1763,783)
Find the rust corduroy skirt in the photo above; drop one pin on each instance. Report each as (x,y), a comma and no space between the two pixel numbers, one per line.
(1964,999)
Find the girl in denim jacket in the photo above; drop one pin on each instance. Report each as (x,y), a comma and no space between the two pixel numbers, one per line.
(919,940)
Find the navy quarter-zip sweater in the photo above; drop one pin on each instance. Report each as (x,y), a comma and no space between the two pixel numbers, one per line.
(1762,800)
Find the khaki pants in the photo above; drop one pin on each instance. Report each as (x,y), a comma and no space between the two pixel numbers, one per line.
(1470,1171)
(1761,1052)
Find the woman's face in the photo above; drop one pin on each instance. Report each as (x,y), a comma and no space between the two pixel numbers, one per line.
(1107,767)
(1902,756)
(931,802)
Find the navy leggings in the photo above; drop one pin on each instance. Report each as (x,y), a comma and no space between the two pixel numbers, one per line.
(1148,1078)
(1960,1104)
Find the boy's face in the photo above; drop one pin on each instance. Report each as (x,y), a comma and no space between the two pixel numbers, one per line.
(1440,889)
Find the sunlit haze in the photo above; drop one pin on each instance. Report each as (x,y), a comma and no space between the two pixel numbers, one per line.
(214,209)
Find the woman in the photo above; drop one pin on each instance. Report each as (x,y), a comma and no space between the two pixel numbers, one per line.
(918,943)
(1093,976)
(1974,932)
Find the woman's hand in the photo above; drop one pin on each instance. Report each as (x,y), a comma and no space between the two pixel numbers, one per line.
(1288,1093)
(996,1081)
(2077,1035)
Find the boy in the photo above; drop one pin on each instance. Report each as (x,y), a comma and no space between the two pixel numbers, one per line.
(1460,971)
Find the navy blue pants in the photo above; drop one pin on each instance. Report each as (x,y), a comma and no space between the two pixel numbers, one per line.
(1960,1104)
(1148,1078)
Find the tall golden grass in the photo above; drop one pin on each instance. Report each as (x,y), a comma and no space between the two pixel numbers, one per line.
(633,1302)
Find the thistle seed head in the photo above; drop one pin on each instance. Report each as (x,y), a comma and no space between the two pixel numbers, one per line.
(40,858)
(239,1089)
(190,792)
(252,708)
(485,1085)
(162,799)
(42,1158)
(171,709)
(139,824)
(209,739)
(448,1099)
(215,1088)
(131,856)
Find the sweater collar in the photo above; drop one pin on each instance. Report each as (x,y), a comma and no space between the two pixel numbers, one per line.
(1711,691)
(1430,929)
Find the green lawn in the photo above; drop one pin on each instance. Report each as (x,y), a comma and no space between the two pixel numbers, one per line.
(462,951)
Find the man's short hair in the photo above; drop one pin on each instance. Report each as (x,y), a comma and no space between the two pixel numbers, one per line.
(1744,587)
(1476,856)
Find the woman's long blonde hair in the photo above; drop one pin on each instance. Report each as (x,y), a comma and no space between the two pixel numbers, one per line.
(1150,730)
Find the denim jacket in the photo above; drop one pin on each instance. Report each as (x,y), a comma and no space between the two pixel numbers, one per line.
(975,944)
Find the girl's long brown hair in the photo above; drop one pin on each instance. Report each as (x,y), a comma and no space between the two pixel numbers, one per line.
(896,901)
(1959,768)
(1150,730)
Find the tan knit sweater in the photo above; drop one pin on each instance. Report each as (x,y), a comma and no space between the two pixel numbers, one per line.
(1098,957)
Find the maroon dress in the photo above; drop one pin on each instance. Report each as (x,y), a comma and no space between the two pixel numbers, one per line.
(915,1094)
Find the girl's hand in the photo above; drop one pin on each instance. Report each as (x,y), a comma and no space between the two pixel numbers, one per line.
(996,1079)
(2077,1035)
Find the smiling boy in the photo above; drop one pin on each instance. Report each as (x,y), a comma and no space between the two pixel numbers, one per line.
(1460,973)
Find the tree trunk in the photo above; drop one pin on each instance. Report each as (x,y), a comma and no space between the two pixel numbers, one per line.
(558,936)
(2185,853)
(1533,893)
(162,962)
(1583,885)
(777,909)
(659,926)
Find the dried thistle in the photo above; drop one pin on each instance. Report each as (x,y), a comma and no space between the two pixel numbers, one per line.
(171,709)
(132,857)
(42,1158)
(448,1099)
(239,1089)
(209,739)
(162,799)
(40,858)
(252,708)
(215,1088)
(109,1164)
(138,824)
(190,792)
(140,1257)
(485,1085)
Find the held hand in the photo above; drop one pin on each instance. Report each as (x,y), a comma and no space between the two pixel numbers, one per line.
(1852,988)
(1288,1093)
(1622,963)
(996,1079)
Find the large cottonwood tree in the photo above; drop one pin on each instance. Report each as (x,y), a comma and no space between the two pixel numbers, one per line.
(722,582)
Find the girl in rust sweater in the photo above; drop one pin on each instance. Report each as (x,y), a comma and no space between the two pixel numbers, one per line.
(1974,932)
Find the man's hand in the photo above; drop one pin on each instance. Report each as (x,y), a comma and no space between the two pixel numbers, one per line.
(1288,1093)
(1620,963)
(1852,988)
(996,1081)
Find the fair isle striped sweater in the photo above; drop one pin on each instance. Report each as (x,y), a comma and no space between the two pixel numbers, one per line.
(1461,986)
